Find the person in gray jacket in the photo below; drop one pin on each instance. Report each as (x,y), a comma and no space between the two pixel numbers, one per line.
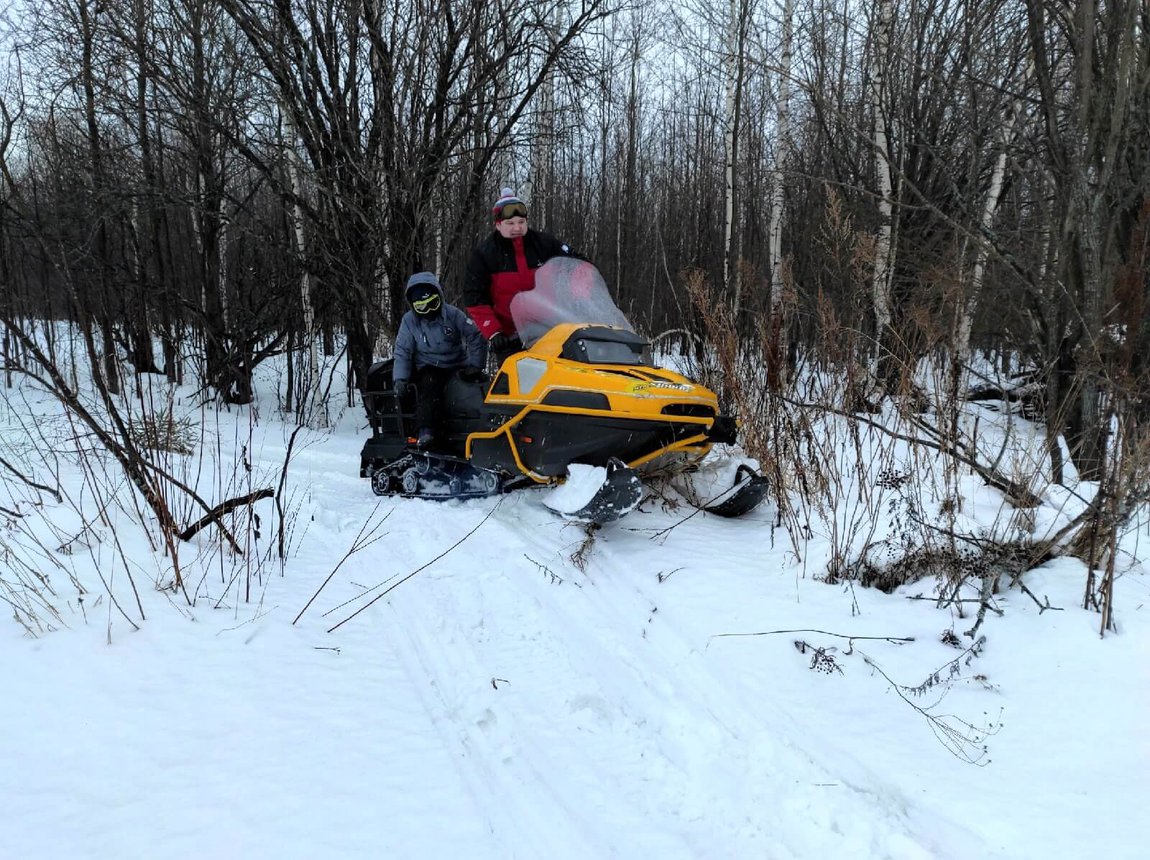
(434,341)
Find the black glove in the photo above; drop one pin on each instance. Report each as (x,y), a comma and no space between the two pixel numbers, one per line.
(505,343)
(471,374)
(402,386)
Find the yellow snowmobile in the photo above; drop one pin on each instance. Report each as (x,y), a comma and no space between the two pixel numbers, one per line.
(583,391)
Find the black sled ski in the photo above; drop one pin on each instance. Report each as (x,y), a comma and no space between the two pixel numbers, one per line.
(744,496)
(619,494)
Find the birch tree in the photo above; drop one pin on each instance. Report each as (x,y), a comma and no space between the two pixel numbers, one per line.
(884,170)
(972,295)
(309,409)
(734,62)
(777,189)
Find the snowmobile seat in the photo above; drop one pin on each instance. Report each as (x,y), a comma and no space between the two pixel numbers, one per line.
(465,399)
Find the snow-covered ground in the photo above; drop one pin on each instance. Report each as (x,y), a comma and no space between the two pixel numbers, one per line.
(519,694)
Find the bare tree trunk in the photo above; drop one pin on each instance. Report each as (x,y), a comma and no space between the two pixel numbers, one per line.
(309,398)
(972,296)
(110,369)
(606,116)
(775,226)
(883,246)
(9,307)
(539,189)
(733,71)
(539,186)
(627,252)
(136,309)
(222,265)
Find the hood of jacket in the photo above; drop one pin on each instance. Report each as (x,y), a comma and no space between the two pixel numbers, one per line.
(420,281)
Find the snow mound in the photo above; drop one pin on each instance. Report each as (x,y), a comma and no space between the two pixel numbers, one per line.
(575,493)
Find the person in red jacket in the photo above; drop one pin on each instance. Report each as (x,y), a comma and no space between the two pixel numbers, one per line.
(502,265)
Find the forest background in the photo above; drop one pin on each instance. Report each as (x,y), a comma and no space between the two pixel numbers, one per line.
(852,188)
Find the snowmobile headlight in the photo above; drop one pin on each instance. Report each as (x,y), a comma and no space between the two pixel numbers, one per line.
(529,371)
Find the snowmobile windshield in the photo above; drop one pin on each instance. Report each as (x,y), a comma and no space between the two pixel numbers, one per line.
(566,291)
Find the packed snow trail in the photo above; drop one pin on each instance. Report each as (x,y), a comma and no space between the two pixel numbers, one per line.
(576,707)
(501,701)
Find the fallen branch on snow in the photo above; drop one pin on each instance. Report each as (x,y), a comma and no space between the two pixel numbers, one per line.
(224,508)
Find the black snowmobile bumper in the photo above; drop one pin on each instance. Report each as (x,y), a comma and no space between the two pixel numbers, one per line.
(724,430)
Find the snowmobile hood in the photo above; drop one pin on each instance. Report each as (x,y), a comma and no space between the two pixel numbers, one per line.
(605,365)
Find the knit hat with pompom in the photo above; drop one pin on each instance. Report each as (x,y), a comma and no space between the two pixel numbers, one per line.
(509,205)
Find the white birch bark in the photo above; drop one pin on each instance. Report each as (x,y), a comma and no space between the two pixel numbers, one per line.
(782,151)
(982,255)
(883,264)
(731,64)
(380,300)
(311,383)
(197,189)
(222,258)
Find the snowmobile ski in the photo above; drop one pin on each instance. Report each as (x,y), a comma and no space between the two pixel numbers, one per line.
(744,496)
(619,494)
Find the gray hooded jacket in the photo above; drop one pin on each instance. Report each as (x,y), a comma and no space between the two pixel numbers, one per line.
(446,339)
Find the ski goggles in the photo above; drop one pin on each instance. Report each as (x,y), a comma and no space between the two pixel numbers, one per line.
(427,305)
(511,210)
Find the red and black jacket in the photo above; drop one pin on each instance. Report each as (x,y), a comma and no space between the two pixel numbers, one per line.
(499,268)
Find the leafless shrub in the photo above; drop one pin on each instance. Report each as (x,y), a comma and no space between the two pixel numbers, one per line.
(822,659)
(145,437)
(1125,487)
(40,550)
(581,557)
(966,740)
(963,739)
(900,568)
(28,569)
(882,470)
